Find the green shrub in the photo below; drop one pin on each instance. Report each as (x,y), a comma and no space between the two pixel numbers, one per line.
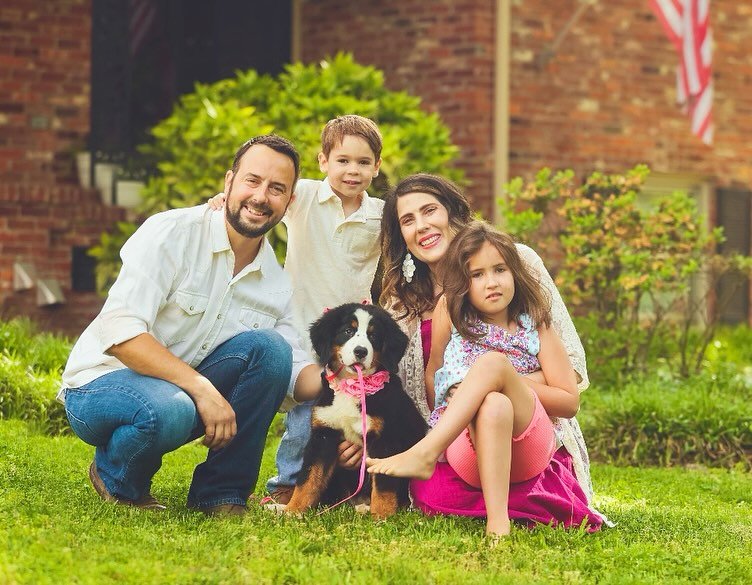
(627,272)
(107,254)
(30,367)
(731,345)
(193,148)
(659,420)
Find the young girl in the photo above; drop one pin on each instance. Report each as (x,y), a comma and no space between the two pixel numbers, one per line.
(491,303)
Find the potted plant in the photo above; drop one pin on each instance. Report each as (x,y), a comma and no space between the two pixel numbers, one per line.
(106,165)
(83,167)
(130,179)
(105,171)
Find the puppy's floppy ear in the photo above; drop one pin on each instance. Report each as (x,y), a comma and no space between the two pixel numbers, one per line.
(322,333)
(394,340)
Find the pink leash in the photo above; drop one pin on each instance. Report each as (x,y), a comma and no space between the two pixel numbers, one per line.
(363,430)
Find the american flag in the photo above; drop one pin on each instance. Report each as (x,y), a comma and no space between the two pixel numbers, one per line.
(687,24)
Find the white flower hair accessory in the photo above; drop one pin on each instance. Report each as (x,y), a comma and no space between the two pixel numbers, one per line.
(408,267)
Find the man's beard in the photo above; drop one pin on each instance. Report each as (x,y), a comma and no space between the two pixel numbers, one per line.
(233,218)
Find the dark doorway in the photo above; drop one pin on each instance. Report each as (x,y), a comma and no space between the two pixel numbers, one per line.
(146,53)
(734,213)
(83,267)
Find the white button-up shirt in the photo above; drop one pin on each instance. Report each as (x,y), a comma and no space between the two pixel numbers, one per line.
(177,284)
(331,258)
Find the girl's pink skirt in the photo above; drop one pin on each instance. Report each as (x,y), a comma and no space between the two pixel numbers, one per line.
(551,497)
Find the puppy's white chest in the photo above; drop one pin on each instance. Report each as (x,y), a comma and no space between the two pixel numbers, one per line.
(344,414)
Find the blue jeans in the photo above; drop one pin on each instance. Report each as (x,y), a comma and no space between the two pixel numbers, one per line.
(291,447)
(133,420)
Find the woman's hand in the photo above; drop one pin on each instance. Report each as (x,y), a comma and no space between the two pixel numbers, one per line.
(350,455)
(217,202)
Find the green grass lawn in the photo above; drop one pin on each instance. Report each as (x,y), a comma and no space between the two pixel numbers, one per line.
(674,526)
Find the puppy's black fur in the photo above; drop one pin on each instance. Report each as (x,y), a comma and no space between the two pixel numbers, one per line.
(395,423)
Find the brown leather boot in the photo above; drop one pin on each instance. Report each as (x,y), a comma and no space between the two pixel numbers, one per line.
(225,510)
(148,502)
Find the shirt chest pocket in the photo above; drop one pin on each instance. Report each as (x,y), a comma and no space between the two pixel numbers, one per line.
(182,317)
(253,319)
(361,240)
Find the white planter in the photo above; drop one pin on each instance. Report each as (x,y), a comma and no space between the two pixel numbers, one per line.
(83,165)
(104,180)
(128,193)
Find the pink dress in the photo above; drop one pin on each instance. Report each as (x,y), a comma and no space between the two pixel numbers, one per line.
(552,497)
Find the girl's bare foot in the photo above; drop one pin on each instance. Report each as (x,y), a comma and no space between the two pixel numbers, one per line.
(497,530)
(410,463)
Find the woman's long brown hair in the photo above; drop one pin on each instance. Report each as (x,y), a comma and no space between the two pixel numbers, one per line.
(416,297)
(529,296)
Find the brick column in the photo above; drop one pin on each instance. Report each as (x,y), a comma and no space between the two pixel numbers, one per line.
(442,51)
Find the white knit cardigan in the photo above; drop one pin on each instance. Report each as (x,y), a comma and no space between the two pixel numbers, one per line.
(412,368)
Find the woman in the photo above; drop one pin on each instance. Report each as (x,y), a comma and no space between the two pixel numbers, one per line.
(421,217)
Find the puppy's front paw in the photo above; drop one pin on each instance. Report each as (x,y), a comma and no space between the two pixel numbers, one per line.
(362,508)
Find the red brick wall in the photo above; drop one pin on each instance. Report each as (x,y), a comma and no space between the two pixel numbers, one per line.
(605,101)
(607,98)
(41,225)
(44,88)
(442,51)
(44,117)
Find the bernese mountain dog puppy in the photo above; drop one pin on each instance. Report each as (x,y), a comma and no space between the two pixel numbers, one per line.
(345,337)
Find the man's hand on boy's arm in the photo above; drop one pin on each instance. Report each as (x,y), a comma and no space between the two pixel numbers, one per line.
(145,355)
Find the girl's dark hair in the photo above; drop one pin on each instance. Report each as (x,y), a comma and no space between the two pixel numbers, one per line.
(529,296)
(416,297)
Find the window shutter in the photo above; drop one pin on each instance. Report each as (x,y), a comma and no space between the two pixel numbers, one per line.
(734,207)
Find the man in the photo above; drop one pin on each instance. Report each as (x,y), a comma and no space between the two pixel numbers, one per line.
(195,337)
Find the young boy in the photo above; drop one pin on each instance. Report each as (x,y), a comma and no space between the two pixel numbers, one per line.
(332,253)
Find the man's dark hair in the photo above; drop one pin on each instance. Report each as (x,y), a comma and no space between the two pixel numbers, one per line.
(281,145)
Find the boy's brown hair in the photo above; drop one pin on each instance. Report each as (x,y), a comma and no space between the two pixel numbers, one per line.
(529,296)
(351,125)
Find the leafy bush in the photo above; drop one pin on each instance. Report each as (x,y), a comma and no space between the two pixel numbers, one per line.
(627,272)
(107,253)
(193,148)
(731,345)
(705,419)
(30,367)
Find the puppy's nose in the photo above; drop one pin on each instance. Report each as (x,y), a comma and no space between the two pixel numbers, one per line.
(360,352)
